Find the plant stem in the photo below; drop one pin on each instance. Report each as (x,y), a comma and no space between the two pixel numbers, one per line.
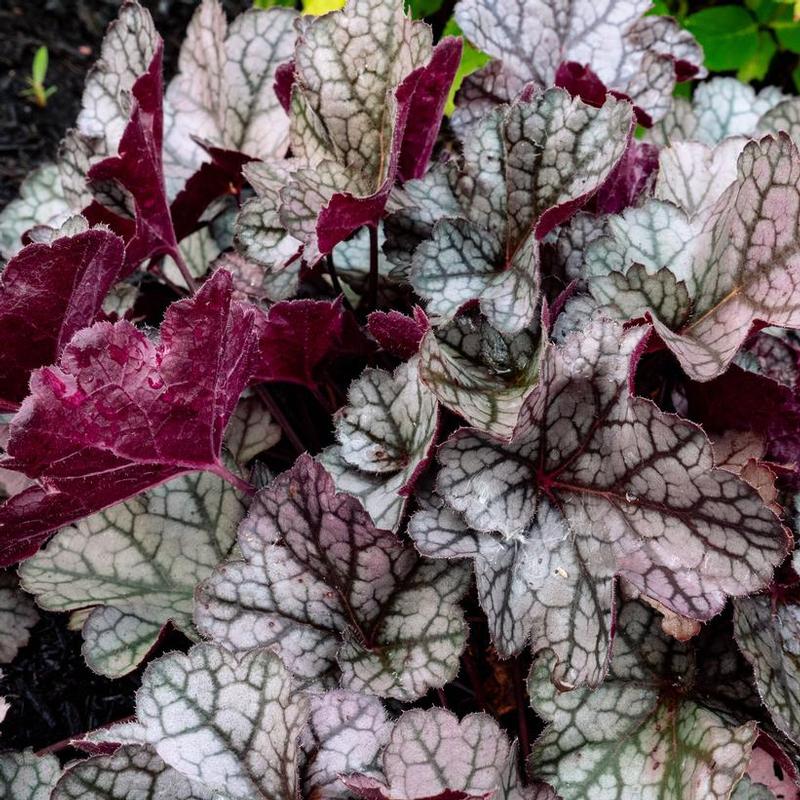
(337,285)
(522,718)
(184,270)
(442,699)
(474,680)
(65,743)
(372,286)
(279,417)
(233,479)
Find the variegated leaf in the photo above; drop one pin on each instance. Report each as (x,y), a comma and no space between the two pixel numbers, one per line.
(517,184)
(735,262)
(41,201)
(131,773)
(767,630)
(385,433)
(334,595)
(17,617)
(26,776)
(346,733)
(229,721)
(593,484)
(223,92)
(251,430)
(647,733)
(431,754)
(630,53)
(720,107)
(479,373)
(138,563)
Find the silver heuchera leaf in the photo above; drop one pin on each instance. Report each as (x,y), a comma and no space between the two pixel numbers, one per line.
(479,373)
(138,563)
(333,595)
(711,276)
(385,434)
(767,630)
(346,733)
(130,773)
(630,53)
(346,125)
(746,789)
(431,754)
(41,202)
(223,92)
(17,617)
(230,721)
(251,430)
(719,108)
(596,483)
(26,776)
(517,184)
(646,732)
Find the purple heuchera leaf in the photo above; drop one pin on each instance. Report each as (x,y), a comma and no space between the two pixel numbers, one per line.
(631,178)
(120,413)
(595,483)
(398,334)
(298,338)
(426,108)
(47,293)
(139,169)
(284,81)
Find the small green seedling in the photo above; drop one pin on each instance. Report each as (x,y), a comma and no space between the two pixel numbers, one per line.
(36,90)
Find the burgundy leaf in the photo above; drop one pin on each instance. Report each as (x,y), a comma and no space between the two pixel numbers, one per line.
(299,337)
(398,334)
(47,293)
(121,413)
(630,179)
(138,168)
(426,108)
(284,80)
(216,178)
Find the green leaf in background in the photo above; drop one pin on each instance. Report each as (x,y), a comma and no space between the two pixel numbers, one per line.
(796,78)
(271,3)
(471,60)
(424,8)
(728,34)
(756,68)
(786,27)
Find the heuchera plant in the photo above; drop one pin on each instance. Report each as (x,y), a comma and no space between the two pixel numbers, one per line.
(385,413)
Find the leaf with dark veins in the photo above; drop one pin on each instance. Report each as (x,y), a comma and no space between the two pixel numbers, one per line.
(336,597)
(27,776)
(479,373)
(136,566)
(130,773)
(660,734)
(431,754)
(41,201)
(385,434)
(720,108)
(767,628)
(350,127)
(736,258)
(17,616)
(345,734)
(47,293)
(596,483)
(223,92)
(129,413)
(229,721)
(515,187)
(640,57)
